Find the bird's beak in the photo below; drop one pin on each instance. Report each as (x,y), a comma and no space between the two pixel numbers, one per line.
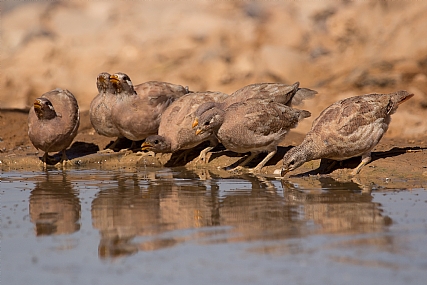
(146,145)
(37,105)
(198,131)
(284,171)
(195,123)
(114,79)
(406,98)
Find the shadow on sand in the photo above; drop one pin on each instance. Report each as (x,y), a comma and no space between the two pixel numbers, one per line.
(326,165)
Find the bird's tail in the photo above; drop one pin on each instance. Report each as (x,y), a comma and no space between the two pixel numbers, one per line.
(301,95)
(304,114)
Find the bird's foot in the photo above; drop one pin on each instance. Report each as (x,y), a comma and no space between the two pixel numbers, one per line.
(64,163)
(255,170)
(143,153)
(107,150)
(64,159)
(50,160)
(148,153)
(126,151)
(238,169)
(203,158)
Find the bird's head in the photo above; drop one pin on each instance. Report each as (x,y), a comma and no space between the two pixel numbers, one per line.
(209,122)
(103,81)
(293,159)
(122,83)
(44,109)
(156,143)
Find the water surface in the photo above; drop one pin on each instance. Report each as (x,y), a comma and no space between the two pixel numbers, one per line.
(162,226)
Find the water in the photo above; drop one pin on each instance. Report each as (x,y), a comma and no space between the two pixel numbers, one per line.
(158,226)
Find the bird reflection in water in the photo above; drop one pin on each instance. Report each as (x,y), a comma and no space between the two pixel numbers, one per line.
(334,206)
(146,214)
(54,206)
(132,215)
(142,215)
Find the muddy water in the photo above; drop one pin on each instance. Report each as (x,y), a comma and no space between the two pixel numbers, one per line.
(158,226)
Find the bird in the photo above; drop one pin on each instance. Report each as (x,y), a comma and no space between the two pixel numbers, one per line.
(175,131)
(138,109)
(100,108)
(53,122)
(289,95)
(255,125)
(348,128)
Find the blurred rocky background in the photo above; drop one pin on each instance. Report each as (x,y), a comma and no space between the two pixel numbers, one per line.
(339,48)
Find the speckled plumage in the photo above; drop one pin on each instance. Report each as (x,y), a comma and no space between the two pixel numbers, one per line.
(138,109)
(255,125)
(53,122)
(289,95)
(175,132)
(348,128)
(101,105)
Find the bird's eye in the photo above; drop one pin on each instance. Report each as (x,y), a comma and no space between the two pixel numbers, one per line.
(156,141)
(206,124)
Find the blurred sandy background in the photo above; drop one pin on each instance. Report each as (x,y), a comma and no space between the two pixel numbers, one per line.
(339,48)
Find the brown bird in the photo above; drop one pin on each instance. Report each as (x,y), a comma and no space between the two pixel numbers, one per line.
(53,122)
(289,95)
(348,128)
(175,132)
(138,110)
(100,108)
(255,126)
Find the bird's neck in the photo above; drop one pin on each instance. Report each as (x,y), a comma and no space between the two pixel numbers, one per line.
(125,94)
(46,114)
(310,149)
(167,146)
